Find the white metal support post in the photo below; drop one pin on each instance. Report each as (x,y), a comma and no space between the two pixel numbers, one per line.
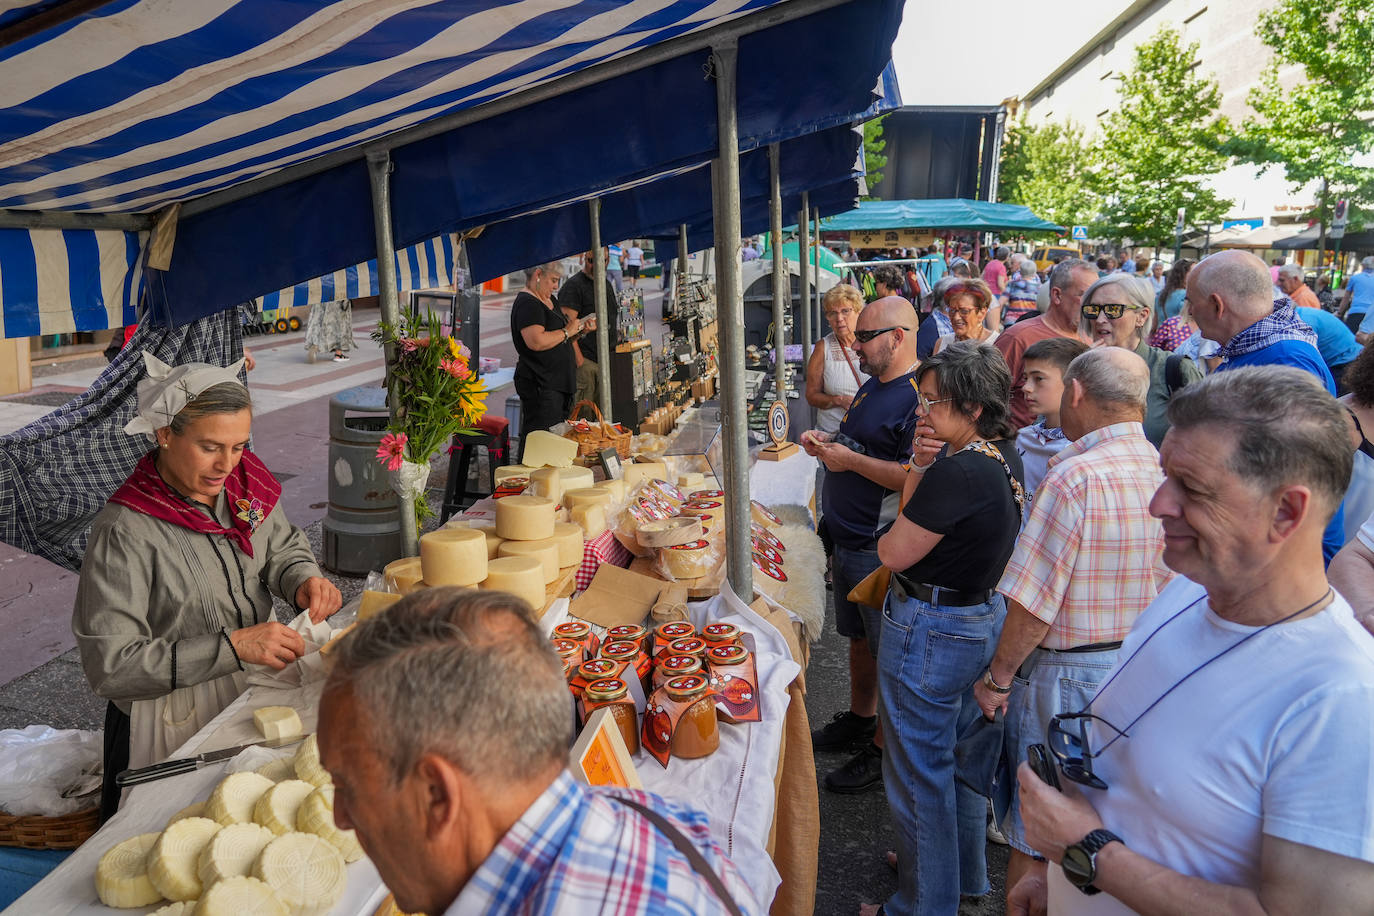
(782,278)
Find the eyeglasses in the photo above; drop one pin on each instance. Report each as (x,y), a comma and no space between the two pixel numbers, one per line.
(1114,310)
(926,403)
(866,336)
(961,313)
(1071,750)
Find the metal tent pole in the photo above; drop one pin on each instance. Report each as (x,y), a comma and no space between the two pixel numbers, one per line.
(814,254)
(682,254)
(603,328)
(803,245)
(782,285)
(730,322)
(379,175)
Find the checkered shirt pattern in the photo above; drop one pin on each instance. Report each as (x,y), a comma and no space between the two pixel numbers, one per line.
(1090,558)
(57,472)
(576,851)
(1282,324)
(603,548)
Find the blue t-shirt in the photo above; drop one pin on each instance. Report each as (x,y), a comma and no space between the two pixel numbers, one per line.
(882,418)
(1304,356)
(1334,340)
(1361,286)
(613,253)
(931,330)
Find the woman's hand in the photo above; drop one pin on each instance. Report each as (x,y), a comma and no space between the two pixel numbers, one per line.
(320,596)
(271,644)
(924,446)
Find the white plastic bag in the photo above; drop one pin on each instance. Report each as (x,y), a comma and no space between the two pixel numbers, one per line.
(45,771)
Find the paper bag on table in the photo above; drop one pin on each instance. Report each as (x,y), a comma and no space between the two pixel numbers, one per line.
(616,597)
(309,667)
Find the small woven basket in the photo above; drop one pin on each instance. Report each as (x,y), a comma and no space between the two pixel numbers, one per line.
(34,832)
(598,435)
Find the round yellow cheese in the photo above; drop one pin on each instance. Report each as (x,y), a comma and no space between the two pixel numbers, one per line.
(524,518)
(403,574)
(521,576)
(545,551)
(591,519)
(570,542)
(454,556)
(686,561)
(587,496)
(486,526)
(512,470)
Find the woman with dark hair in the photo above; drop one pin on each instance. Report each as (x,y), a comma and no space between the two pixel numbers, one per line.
(1170,299)
(1359,496)
(943,616)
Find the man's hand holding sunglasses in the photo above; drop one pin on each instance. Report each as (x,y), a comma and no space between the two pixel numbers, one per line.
(1054,819)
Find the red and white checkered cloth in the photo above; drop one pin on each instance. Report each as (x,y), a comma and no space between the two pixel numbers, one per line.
(603,548)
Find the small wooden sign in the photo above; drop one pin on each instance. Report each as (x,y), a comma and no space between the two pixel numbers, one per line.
(600,757)
(778,423)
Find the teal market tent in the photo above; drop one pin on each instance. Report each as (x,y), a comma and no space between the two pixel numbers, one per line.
(953,213)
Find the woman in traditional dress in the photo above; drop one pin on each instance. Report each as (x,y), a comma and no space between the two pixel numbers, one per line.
(175,597)
(329,327)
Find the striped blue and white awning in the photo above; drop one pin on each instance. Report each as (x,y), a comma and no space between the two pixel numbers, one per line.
(254,115)
(73,280)
(429,265)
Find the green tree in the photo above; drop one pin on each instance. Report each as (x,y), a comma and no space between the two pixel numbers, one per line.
(1317,128)
(874,160)
(1047,167)
(1159,145)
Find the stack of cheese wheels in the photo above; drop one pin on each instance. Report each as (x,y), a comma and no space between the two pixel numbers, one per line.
(711,513)
(570,541)
(686,561)
(404,575)
(527,557)
(521,576)
(484,525)
(453,556)
(544,550)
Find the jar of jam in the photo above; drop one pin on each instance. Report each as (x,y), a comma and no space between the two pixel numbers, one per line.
(612,692)
(727,654)
(580,632)
(570,653)
(671,666)
(694,646)
(720,634)
(697,734)
(627,651)
(631,631)
(594,669)
(667,632)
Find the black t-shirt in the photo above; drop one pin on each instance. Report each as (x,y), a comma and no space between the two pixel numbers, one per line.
(554,369)
(967,498)
(579,292)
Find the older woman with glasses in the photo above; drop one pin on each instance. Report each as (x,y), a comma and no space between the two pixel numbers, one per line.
(1116,312)
(966,303)
(943,616)
(833,375)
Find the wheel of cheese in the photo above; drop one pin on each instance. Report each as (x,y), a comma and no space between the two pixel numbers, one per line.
(591,519)
(521,576)
(524,518)
(403,574)
(570,542)
(763,515)
(686,561)
(486,526)
(712,514)
(587,496)
(617,488)
(511,470)
(454,556)
(669,532)
(545,551)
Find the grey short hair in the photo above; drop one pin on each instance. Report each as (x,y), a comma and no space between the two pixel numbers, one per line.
(1104,382)
(461,673)
(1001,253)
(975,375)
(1063,271)
(1287,428)
(547,268)
(1368,263)
(1291,270)
(1135,290)
(226,397)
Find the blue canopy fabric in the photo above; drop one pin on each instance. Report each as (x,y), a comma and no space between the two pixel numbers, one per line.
(428,265)
(953,213)
(59,282)
(139,104)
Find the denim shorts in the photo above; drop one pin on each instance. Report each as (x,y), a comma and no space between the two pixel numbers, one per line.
(856,621)
(1058,682)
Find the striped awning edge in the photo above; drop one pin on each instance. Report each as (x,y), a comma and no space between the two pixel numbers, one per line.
(74,280)
(428,265)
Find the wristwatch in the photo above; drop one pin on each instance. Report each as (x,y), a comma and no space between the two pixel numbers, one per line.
(1080,859)
(992,685)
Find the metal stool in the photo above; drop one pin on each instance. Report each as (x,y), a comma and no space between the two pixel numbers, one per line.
(494,436)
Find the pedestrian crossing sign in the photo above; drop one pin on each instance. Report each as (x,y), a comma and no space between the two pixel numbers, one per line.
(1080,233)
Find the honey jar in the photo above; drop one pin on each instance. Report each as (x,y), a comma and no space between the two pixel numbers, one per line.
(670,666)
(580,632)
(720,634)
(629,652)
(694,646)
(631,631)
(697,734)
(612,692)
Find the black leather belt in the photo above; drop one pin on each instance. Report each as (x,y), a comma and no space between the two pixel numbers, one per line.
(937,596)
(1090,647)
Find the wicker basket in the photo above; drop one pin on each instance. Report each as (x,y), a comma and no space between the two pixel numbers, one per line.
(599,434)
(33,832)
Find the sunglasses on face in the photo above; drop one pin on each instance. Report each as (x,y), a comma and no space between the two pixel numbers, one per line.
(866,336)
(1113,311)
(1070,746)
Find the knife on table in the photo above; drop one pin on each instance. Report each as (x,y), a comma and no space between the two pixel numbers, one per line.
(191,764)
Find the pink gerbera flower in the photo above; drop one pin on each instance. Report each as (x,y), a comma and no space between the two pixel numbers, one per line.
(392,451)
(455,368)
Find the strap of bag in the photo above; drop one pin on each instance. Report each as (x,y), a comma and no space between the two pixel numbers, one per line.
(688,849)
(1173,372)
(1018,492)
(849,361)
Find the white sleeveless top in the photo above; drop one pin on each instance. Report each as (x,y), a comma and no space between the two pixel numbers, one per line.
(838,379)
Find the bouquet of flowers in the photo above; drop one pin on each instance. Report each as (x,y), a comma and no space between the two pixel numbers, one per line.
(438,396)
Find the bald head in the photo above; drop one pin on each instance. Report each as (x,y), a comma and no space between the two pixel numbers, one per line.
(890,310)
(1103,386)
(891,353)
(1229,291)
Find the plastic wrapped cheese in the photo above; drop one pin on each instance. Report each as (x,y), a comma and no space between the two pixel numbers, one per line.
(521,576)
(404,574)
(454,556)
(511,470)
(591,519)
(686,561)
(373,603)
(543,449)
(763,515)
(570,543)
(617,489)
(711,513)
(587,496)
(524,518)
(636,473)
(545,551)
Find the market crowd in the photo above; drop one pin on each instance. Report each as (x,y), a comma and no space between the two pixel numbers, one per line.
(1080,521)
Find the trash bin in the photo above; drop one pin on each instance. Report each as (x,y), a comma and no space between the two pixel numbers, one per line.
(362,526)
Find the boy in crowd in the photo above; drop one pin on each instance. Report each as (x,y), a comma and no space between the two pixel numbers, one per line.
(1045,362)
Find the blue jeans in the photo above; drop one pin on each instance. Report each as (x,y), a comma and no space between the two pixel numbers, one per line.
(928,661)
(855,621)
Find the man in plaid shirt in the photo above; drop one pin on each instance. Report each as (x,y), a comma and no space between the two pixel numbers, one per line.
(1088,561)
(445,725)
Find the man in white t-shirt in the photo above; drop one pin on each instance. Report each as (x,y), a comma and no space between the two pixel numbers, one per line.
(1228,764)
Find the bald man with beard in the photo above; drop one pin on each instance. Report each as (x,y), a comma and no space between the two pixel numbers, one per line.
(865,461)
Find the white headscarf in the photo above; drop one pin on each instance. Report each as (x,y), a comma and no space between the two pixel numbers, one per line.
(167,389)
